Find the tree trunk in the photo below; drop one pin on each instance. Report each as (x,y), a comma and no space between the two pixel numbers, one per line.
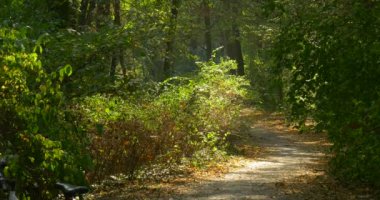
(83,13)
(90,12)
(116,8)
(207,21)
(168,62)
(232,37)
(118,53)
(121,52)
(238,51)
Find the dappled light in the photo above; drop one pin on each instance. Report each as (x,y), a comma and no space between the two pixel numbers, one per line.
(189,99)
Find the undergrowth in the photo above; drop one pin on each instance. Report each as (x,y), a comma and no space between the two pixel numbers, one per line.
(185,120)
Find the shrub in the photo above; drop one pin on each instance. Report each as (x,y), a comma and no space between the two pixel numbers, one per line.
(42,147)
(188,116)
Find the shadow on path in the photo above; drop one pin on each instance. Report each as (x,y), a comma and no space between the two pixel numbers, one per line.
(262,178)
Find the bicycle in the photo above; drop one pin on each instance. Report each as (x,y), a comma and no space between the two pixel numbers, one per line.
(70,192)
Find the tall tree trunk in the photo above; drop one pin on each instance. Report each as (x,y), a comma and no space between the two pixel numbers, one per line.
(168,62)
(83,12)
(238,51)
(117,10)
(118,53)
(232,37)
(90,12)
(207,21)
(116,7)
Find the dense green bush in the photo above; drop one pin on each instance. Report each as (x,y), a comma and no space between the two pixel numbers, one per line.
(42,147)
(332,50)
(186,117)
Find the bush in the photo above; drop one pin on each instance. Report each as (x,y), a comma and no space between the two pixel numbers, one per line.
(42,147)
(184,117)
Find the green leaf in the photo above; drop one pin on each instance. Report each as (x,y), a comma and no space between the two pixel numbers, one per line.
(68,70)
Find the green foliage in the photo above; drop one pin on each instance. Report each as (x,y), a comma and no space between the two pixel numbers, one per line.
(86,52)
(332,50)
(258,38)
(190,117)
(266,82)
(34,132)
(72,76)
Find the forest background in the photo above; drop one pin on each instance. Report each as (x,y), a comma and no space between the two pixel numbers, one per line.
(92,88)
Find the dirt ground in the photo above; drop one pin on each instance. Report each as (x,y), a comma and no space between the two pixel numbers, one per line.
(276,162)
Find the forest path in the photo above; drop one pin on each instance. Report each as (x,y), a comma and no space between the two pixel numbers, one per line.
(263,178)
(291,166)
(278,172)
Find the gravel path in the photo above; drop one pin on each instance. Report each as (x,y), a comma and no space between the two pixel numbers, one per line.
(263,178)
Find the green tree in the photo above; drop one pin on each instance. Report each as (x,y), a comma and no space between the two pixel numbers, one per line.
(331,49)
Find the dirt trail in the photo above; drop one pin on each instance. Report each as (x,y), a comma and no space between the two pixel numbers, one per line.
(285,158)
(291,167)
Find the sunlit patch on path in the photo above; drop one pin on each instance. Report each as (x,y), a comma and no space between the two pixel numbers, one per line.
(261,178)
(291,166)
